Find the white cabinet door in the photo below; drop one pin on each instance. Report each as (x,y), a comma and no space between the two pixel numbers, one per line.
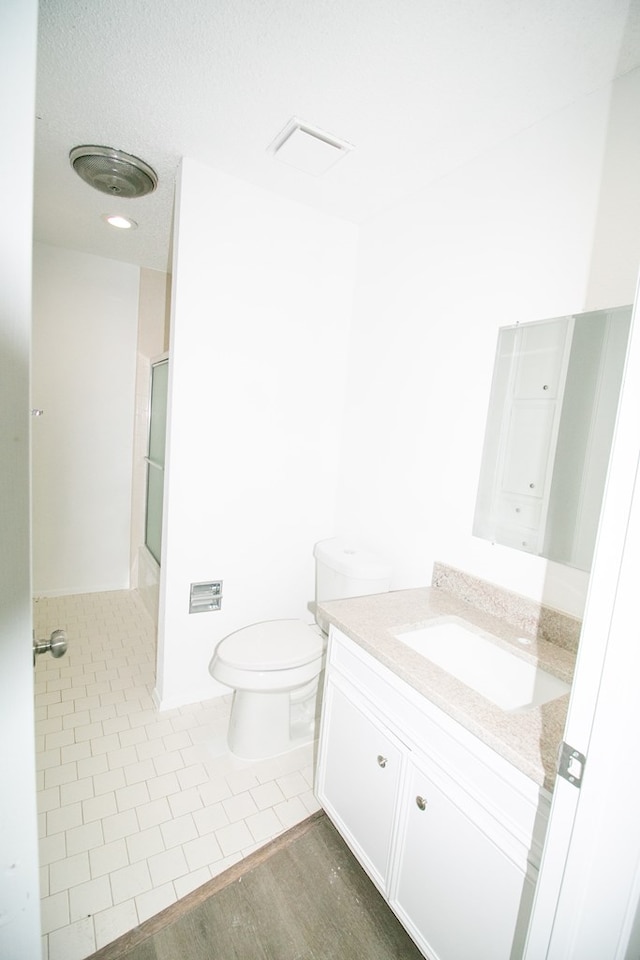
(360,766)
(530,433)
(541,358)
(457,893)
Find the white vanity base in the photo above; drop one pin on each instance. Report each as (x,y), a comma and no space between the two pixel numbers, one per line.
(449,831)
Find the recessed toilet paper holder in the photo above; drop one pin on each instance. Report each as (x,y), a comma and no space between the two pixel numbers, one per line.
(205,596)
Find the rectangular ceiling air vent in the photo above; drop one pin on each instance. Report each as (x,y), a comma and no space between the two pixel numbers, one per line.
(308,148)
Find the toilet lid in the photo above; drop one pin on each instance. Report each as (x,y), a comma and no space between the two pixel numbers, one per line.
(272,645)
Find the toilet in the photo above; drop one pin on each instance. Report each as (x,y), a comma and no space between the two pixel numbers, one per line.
(274,667)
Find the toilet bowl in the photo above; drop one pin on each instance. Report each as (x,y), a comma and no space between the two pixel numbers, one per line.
(275,667)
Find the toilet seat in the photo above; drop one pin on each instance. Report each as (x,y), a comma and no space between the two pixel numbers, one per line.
(271,645)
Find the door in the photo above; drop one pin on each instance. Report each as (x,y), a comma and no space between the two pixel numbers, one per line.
(588,887)
(359,777)
(19,893)
(457,892)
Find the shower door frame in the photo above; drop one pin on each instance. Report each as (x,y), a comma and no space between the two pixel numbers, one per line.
(151,462)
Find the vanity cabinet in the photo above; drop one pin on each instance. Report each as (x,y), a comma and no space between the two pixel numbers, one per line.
(448,830)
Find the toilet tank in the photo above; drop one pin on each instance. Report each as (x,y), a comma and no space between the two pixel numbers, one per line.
(343,570)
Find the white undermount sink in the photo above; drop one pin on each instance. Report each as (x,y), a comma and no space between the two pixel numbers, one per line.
(470,655)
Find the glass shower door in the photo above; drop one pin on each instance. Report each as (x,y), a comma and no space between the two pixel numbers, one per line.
(155,458)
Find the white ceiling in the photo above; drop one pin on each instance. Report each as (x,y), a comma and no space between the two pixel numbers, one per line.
(418,87)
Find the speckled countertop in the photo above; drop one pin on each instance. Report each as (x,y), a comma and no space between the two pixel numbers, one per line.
(528,740)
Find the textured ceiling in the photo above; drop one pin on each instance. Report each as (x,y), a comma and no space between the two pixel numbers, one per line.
(418,87)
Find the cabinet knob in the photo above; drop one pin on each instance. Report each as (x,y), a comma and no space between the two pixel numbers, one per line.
(532,486)
(545,386)
(421,803)
(382,761)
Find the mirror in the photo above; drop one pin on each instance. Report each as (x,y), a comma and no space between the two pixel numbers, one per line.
(552,409)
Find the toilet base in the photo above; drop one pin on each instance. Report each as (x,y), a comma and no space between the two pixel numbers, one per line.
(261,725)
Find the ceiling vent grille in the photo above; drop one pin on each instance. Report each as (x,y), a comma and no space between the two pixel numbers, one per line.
(308,148)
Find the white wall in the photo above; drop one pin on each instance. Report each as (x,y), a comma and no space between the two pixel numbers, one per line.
(262,298)
(540,227)
(261,312)
(85,315)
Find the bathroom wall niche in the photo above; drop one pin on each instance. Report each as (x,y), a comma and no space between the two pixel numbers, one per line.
(552,410)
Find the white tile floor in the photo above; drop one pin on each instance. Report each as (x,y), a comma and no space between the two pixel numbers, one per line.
(136,807)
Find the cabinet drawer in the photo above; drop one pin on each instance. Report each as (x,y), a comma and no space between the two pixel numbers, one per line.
(517,522)
(523,512)
(522,538)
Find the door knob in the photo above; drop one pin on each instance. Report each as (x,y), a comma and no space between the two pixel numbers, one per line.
(56,645)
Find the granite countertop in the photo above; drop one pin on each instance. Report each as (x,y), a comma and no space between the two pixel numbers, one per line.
(528,740)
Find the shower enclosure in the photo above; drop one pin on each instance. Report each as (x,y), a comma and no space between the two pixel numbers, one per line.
(155,458)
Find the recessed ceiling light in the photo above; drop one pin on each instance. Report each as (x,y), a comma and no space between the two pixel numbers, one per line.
(122,223)
(308,148)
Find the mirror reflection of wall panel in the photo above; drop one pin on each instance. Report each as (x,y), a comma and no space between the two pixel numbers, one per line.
(589,411)
(552,413)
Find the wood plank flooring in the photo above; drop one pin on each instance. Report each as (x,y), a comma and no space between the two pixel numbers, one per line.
(302,897)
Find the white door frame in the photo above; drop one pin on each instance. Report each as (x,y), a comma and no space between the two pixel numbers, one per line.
(19,888)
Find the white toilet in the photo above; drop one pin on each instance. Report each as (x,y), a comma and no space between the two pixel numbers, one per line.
(274,667)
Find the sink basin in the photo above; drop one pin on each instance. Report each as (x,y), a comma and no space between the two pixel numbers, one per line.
(470,655)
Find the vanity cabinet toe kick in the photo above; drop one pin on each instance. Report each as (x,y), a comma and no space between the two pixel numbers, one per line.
(449,832)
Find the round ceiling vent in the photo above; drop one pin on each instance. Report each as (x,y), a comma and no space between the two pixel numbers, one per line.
(112,171)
